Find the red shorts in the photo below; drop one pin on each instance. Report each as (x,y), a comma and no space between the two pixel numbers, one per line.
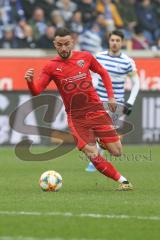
(96,125)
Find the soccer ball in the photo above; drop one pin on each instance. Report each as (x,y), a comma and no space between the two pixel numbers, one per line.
(50,181)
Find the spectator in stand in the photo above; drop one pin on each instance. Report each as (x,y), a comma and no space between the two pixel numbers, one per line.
(19,32)
(48,6)
(139,42)
(100,19)
(126,9)
(88,10)
(30,5)
(66,8)
(158,44)
(38,23)
(46,41)
(76,24)
(80,16)
(110,11)
(91,40)
(101,22)
(1,23)
(148,20)
(8,41)
(29,41)
(157,7)
(76,43)
(56,19)
(24,35)
(11,11)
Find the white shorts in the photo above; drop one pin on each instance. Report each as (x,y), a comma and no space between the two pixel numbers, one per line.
(118,116)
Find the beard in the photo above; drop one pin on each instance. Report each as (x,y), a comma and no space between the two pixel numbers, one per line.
(65,55)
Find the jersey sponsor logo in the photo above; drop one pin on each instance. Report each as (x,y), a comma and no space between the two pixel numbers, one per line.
(76,77)
(59,69)
(80,63)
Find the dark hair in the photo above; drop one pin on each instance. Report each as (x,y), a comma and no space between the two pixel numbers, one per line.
(117,33)
(62,32)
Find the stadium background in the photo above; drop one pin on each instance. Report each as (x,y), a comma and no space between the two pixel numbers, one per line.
(145,116)
(87,207)
(27,27)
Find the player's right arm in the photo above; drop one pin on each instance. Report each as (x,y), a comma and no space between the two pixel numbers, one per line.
(41,83)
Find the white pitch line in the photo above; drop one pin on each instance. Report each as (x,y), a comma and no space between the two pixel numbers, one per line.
(36,238)
(27,238)
(81,215)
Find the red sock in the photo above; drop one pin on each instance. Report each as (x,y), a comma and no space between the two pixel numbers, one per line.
(105,167)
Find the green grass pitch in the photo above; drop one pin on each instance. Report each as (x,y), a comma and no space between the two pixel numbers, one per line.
(87,206)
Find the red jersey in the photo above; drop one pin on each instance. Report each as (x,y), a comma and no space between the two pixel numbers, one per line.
(72,76)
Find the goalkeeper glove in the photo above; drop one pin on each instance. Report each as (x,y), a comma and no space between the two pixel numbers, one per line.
(127,109)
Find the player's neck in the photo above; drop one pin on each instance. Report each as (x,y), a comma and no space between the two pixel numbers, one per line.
(114,54)
(71,54)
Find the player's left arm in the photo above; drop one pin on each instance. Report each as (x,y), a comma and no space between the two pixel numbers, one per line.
(134,92)
(96,67)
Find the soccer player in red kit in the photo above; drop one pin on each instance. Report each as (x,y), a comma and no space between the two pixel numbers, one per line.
(87,119)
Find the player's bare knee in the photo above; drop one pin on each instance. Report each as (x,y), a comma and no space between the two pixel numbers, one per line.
(117,152)
(91,154)
(90,151)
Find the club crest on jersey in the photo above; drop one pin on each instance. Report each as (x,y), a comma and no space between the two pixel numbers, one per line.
(80,63)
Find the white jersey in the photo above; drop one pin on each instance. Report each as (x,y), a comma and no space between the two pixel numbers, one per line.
(118,68)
